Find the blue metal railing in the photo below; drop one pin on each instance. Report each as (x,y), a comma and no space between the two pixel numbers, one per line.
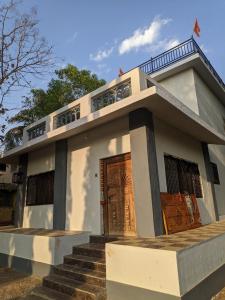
(175,54)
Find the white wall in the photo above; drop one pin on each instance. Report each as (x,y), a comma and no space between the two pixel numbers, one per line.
(182,86)
(213,112)
(83,211)
(38,216)
(41,248)
(40,161)
(165,271)
(172,141)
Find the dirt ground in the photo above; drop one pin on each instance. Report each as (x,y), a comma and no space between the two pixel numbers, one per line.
(220,296)
(14,285)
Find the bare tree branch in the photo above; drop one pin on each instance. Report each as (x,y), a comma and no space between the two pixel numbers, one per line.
(23,52)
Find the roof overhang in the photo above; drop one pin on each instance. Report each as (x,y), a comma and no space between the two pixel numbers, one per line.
(156,99)
(196,62)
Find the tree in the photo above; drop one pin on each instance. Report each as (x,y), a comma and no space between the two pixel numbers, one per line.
(69,85)
(23,52)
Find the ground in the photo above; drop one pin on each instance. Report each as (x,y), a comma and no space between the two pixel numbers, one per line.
(220,296)
(14,285)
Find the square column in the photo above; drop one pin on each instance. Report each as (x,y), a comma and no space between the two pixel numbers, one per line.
(145,174)
(60,183)
(212,206)
(21,192)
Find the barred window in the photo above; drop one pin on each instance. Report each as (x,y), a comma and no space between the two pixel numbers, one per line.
(36,131)
(182,176)
(2,167)
(67,116)
(215,173)
(40,189)
(112,95)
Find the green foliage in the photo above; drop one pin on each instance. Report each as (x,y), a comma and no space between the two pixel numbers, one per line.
(69,85)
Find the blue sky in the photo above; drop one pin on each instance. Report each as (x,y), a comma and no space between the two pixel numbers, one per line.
(103,36)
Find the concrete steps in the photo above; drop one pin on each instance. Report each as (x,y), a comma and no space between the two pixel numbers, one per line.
(93,263)
(91,249)
(82,275)
(43,293)
(77,289)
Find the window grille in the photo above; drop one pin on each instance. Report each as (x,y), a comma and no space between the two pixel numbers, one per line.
(36,131)
(112,95)
(182,176)
(67,117)
(40,189)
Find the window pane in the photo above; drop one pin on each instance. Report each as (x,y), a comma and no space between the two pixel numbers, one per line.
(40,189)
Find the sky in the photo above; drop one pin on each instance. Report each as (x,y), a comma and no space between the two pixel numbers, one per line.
(105,35)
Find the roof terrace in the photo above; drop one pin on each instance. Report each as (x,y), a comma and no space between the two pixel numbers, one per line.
(175,54)
(130,91)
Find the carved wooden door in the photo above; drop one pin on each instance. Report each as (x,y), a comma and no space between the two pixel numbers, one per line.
(118,193)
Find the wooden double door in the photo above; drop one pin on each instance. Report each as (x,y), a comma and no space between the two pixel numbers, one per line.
(117,188)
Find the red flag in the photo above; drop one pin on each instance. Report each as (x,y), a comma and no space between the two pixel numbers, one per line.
(197,28)
(121,72)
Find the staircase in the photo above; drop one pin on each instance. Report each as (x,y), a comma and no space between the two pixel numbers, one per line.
(82,275)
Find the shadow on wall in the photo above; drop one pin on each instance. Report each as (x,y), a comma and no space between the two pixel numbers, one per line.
(84,211)
(38,217)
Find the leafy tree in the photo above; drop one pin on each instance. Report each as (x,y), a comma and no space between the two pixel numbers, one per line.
(70,84)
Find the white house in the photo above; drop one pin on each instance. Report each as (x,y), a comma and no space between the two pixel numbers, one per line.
(98,165)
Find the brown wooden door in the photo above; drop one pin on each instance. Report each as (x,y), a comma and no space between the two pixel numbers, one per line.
(119,212)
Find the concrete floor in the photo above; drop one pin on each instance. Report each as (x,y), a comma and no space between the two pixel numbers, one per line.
(14,285)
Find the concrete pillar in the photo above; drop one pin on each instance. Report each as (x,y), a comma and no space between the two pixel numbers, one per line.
(212,206)
(145,174)
(60,182)
(21,192)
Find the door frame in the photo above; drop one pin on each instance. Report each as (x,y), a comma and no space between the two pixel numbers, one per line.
(103,181)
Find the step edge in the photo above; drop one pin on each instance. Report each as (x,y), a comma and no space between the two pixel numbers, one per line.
(99,289)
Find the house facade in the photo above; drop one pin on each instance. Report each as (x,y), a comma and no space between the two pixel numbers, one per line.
(100,165)
(121,142)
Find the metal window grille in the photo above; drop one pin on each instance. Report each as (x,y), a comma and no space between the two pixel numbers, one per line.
(67,117)
(112,95)
(36,131)
(182,176)
(40,189)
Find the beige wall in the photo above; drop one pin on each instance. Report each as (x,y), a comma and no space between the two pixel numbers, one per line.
(38,216)
(44,249)
(168,272)
(172,141)
(212,111)
(6,177)
(190,89)
(83,179)
(182,86)
(40,161)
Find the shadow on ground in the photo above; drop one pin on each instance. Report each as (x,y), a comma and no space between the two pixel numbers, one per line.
(14,285)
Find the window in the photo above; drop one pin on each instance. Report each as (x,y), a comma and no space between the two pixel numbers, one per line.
(110,96)
(40,189)
(67,117)
(215,174)
(2,167)
(182,176)
(36,131)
